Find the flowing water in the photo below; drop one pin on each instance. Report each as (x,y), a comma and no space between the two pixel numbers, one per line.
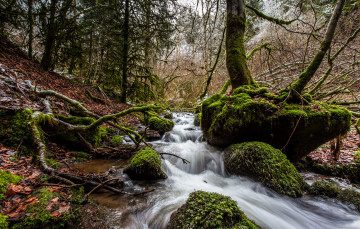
(206,172)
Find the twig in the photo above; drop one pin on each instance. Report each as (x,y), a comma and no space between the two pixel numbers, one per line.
(174,155)
(144,192)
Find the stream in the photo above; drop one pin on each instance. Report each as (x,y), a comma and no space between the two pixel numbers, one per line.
(206,172)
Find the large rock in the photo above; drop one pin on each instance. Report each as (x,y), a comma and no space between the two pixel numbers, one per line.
(254,115)
(209,210)
(265,164)
(145,165)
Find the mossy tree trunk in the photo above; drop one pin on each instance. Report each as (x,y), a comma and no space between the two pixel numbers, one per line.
(235,48)
(311,69)
(125,52)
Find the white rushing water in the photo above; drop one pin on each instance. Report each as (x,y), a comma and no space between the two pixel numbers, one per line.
(206,172)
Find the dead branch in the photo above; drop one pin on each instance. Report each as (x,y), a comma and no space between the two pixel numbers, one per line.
(174,155)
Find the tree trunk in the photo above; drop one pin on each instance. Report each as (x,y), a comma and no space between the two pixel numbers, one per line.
(311,69)
(125,51)
(31,28)
(235,48)
(47,60)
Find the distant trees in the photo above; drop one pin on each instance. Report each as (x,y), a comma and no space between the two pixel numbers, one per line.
(110,43)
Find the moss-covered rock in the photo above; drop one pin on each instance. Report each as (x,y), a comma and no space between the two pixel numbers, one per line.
(265,164)
(161,125)
(331,190)
(197,119)
(95,137)
(5,179)
(81,156)
(252,114)
(15,130)
(324,189)
(116,140)
(209,210)
(145,165)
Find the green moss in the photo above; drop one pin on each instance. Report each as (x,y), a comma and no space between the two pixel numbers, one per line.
(357,157)
(197,119)
(15,130)
(161,125)
(95,137)
(81,156)
(42,216)
(350,172)
(145,165)
(52,163)
(265,164)
(251,114)
(324,189)
(5,179)
(235,52)
(330,190)
(209,210)
(3,223)
(116,140)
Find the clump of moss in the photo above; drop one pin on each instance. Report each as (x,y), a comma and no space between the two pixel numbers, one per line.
(81,156)
(15,130)
(197,119)
(157,123)
(252,114)
(52,163)
(265,164)
(145,165)
(43,215)
(5,179)
(330,190)
(209,210)
(324,189)
(3,223)
(116,140)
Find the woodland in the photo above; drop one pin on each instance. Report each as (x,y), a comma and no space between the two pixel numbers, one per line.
(179,114)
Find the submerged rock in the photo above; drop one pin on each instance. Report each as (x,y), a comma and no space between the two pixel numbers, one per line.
(145,165)
(265,164)
(252,115)
(209,210)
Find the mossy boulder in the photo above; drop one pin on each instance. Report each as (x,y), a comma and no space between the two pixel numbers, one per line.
(155,122)
(197,119)
(209,210)
(95,137)
(3,223)
(265,164)
(251,114)
(15,130)
(145,165)
(331,190)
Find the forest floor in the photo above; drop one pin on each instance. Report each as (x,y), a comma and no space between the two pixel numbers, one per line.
(15,64)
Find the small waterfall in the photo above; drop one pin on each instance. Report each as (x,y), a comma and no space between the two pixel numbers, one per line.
(206,172)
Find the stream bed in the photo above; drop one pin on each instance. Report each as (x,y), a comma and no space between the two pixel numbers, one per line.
(206,172)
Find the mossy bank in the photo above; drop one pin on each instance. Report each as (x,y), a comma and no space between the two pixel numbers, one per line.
(252,114)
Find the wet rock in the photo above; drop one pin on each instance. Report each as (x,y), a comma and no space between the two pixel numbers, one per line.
(168,116)
(197,119)
(190,129)
(151,135)
(168,137)
(265,164)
